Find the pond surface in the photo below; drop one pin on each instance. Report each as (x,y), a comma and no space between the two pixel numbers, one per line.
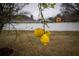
(52,26)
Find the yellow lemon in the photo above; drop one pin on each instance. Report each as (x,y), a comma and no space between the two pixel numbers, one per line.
(48,33)
(44,39)
(38,32)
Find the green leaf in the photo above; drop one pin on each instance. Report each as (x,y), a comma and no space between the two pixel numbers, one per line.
(44,5)
(52,5)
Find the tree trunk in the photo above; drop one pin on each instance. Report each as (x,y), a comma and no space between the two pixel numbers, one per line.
(1,27)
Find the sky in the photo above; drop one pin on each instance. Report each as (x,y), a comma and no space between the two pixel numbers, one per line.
(48,12)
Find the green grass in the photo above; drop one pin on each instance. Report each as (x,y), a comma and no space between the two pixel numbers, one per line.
(25,43)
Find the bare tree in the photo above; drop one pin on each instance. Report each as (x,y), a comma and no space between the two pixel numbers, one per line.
(7,12)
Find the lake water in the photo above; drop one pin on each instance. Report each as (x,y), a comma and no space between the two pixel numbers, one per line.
(52,26)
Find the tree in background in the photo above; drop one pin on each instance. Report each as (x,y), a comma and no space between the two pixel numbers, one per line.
(70,12)
(7,12)
(51,19)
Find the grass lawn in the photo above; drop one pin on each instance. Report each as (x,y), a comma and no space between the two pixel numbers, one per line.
(25,43)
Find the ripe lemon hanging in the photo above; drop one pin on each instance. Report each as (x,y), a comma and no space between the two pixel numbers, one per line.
(44,39)
(38,32)
(48,33)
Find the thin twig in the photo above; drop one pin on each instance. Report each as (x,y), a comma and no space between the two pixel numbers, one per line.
(40,10)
